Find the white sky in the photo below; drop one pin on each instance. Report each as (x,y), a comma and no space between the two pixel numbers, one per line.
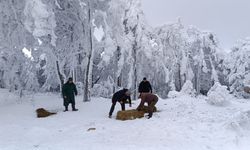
(228,19)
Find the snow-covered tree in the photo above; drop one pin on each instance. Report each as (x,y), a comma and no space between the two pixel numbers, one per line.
(106,45)
(237,67)
(16,68)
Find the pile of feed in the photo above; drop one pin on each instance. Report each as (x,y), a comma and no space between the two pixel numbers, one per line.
(129,114)
(42,113)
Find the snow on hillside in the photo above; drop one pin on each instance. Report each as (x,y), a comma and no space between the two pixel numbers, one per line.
(182,123)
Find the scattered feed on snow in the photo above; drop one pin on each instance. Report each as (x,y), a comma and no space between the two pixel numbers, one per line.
(42,113)
(129,115)
(91,129)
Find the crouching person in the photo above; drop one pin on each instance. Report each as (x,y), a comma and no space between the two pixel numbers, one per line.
(150,99)
(121,96)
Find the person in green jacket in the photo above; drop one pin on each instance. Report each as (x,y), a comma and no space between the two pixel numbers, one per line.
(69,91)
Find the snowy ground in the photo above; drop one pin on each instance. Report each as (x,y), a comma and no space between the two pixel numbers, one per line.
(183,123)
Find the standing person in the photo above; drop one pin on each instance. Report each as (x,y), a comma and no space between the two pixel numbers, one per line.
(145,86)
(149,98)
(69,91)
(121,96)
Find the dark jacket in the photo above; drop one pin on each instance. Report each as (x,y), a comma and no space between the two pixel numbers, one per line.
(121,96)
(69,90)
(147,98)
(145,87)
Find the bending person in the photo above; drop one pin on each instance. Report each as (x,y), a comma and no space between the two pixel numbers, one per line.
(121,96)
(150,99)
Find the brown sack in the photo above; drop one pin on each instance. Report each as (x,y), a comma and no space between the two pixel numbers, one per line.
(129,115)
(41,113)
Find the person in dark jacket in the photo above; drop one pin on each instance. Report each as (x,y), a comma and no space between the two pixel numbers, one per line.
(145,86)
(150,99)
(121,96)
(69,91)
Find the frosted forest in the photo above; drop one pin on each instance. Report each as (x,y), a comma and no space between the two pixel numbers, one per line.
(200,90)
(107,44)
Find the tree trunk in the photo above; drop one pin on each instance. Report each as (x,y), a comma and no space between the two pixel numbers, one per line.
(89,69)
(198,78)
(135,70)
(117,73)
(60,75)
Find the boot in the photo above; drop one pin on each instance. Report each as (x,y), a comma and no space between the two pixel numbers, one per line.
(73,108)
(150,115)
(66,109)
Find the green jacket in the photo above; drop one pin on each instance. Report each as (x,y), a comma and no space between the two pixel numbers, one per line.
(69,90)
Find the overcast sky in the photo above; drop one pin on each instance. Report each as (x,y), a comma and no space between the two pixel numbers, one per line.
(228,19)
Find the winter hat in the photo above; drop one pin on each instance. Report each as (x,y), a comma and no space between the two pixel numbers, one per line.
(127,91)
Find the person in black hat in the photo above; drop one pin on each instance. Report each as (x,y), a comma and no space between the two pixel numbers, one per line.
(69,91)
(145,86)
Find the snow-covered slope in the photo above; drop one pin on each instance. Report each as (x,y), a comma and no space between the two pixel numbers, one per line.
(183,123)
